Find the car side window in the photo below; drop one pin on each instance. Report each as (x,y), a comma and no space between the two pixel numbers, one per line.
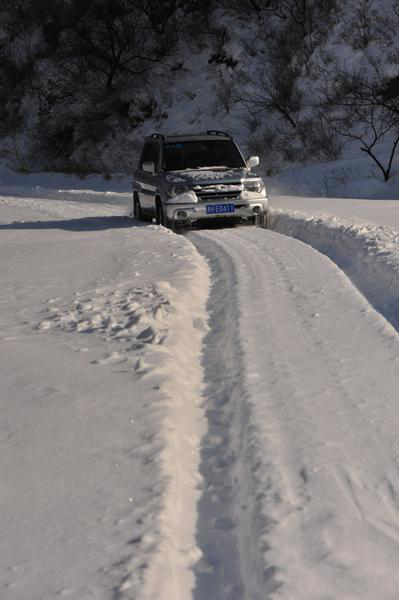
(150,154)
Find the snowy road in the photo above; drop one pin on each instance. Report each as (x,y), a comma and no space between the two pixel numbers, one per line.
(305,405)
(149,454)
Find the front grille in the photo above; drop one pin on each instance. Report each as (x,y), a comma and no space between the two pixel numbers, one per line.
(210,196)
(218,192)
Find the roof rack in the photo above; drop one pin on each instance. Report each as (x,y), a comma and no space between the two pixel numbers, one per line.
(216,132)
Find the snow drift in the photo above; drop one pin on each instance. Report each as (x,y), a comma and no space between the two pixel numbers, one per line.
(368,254)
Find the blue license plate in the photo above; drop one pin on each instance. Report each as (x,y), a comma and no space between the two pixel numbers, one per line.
(219,209)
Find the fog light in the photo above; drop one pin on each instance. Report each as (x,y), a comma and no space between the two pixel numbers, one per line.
(256,210)
(181,214)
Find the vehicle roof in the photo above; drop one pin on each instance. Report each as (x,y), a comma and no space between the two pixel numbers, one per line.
(189,137)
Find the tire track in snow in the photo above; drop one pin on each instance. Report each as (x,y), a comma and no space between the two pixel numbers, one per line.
(232,566)
(313,425)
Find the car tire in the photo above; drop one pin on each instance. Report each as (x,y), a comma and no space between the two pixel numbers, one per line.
(137,212)
(261,220)
(177,227)
(159,214)
(252,220)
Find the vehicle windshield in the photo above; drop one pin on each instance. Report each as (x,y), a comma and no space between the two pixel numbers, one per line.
(201,154)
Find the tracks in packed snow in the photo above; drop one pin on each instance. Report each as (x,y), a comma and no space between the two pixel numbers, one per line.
(226,524)
(300,462)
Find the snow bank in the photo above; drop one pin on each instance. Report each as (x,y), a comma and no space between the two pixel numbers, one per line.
(112,313)
(170,574)
(368,254)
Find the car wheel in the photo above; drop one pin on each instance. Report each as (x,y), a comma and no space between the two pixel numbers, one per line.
(176,227)
(137,212)
(179,228)
(252,220)
(159,216)
(261,220)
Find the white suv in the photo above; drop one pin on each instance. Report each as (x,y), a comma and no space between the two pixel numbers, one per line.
(182,180)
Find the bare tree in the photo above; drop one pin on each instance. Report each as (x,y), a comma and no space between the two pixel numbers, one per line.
(117,39)
(365,111)
(270,92)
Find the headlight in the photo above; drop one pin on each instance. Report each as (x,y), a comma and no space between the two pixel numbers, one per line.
(254,185)
(173,190)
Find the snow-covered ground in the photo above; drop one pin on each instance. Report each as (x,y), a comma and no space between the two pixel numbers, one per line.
(100,339)
(204,416)
(313,445)
(360,236)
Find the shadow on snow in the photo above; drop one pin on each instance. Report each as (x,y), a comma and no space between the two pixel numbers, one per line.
(82,224)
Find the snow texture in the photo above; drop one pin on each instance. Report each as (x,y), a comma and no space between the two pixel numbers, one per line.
(99,429)
(202,416)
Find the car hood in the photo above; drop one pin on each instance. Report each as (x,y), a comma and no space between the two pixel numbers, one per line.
(205,176)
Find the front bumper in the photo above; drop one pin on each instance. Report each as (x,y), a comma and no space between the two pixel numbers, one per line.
(191,212)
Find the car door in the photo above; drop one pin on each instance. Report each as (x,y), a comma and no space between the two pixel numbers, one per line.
(147,182)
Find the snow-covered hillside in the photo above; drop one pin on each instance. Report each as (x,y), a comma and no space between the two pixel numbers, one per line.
(202,416)
(294,81)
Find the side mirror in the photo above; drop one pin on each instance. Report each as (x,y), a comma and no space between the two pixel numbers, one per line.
(252,161)
(149,167)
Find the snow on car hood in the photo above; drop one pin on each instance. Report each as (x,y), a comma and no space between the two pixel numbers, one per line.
(191,177)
